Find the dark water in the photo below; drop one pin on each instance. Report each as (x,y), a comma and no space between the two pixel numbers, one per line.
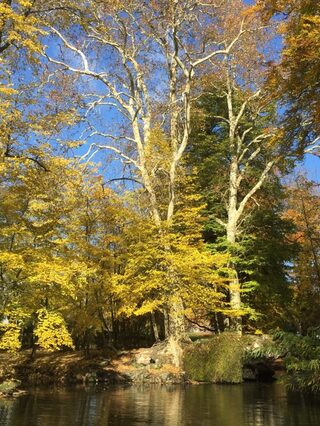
(218,405)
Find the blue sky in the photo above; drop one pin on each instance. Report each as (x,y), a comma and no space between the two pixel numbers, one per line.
(311,166)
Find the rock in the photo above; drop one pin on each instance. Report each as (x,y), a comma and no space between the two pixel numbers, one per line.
(140,376)
(248,374)
(19,393)
(91,377)
(143,357)
(259,371)
(9,386)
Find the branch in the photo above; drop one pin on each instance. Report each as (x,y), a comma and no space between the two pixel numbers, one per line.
(221,222)
(73,48)
(199,325)
(220,117)
(244,105)
(22,157)
(313,146)
(125,178)
(86,71)
(220,52)
(256,187)
(257,139)
(111,148)
(110,136)
(248,161)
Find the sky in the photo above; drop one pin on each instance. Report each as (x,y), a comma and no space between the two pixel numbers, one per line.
(310,166)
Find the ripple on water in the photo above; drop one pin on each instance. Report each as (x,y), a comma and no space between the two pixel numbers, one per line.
(251,404)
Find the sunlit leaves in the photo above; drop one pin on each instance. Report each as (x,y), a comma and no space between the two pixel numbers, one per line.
(51,331)
(10,337)
(19,27)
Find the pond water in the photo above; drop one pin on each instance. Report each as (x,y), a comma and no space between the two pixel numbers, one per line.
(221,405)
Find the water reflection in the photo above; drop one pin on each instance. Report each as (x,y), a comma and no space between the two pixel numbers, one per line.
(221,405)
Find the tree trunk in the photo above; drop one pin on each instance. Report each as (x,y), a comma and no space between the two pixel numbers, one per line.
(154,327)
(175,330)
(177,326)
(234,286)
(165,323)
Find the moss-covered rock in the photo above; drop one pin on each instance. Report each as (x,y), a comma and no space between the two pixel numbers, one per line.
(9,386)
(217,360)
(230,358)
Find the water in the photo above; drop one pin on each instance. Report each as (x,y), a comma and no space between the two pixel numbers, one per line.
(217,405)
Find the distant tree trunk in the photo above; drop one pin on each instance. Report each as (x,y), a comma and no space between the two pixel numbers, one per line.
(33,351)
(165,322)
(216,322)
(154,327)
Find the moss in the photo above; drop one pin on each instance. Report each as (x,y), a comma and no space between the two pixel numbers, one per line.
(9,386)
(217,360)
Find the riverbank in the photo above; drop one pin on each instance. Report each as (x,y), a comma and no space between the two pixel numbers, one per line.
(76,368)
(222,359)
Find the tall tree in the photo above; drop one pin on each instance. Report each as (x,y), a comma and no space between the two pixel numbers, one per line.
(262,252)
(33,275)
(144,58)
(239,112)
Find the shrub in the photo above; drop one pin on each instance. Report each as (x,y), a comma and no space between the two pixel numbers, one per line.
(302,359)
(217,360)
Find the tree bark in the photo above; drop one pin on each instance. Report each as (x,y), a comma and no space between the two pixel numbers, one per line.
(154,327)
(177,326)
(234,286)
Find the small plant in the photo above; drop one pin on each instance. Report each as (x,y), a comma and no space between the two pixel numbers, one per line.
(266,348)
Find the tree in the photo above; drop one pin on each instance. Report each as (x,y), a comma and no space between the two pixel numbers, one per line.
(19,27)
(19,32)
(238,111)
(262,252)
(145,283)
(44,271)
(33,274)
(29,116)
(142,43)
(297,79)
(303,209)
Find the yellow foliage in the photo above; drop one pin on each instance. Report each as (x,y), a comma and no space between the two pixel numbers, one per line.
(11,260)
(170,261)
(10,337)
(51,331)
(22,28)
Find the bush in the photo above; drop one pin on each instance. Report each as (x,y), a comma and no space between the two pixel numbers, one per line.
(218,360)
(302,360)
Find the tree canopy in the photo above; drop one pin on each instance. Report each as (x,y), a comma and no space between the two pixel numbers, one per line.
(144,155)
